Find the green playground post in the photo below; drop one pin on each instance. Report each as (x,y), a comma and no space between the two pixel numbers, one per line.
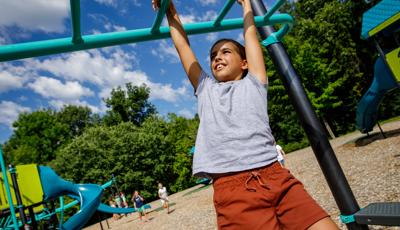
(273,9)
(76,21)
(8,191)
(62,212)
(228,5)
(160,15)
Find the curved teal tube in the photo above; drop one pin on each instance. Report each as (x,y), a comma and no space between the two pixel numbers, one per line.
(367,108)
(111,210)
(88,195)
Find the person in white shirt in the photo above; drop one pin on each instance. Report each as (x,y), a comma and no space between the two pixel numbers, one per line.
(162,193)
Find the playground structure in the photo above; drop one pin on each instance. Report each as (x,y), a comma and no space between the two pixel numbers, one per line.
(38,184)
(35,186)
(381,24)
(381,214)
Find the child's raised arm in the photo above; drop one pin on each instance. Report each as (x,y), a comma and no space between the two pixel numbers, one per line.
(181,42)
(254,55)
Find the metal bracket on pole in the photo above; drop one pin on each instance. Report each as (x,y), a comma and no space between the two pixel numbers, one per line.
(278,35)
(160,15)
(76,22)
(228,5)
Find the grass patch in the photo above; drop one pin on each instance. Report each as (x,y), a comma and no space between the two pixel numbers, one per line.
(196,190)
(390,120)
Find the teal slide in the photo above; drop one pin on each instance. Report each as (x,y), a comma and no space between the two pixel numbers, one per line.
(88,195)
(367,108)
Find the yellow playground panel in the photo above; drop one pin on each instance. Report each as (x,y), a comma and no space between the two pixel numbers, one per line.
(393,60)
(29,185)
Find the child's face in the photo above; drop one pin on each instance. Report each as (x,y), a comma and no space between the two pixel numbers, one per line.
(226,63)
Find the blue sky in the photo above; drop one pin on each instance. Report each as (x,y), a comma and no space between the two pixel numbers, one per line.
(85,77)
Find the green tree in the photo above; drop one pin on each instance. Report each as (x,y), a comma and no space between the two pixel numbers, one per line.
(77,118)
(130,105)
(36,137)
(138,156)
(284,121)
(182,132)
(39,134)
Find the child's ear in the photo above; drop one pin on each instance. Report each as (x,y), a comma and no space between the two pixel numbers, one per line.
(244,64)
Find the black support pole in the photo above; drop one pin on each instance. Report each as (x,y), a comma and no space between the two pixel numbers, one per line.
(13,174)
(327,160)
(32,218)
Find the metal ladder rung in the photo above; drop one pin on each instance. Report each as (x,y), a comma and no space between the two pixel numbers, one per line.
(385,213)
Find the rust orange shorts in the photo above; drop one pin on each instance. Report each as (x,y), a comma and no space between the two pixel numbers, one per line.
(264,198)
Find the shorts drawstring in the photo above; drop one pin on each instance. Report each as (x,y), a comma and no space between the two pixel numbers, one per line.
(256,175)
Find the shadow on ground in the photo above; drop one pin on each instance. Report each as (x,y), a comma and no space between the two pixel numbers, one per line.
(368,139)
(161,208)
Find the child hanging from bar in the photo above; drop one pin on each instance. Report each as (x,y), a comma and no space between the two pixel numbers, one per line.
(234,144)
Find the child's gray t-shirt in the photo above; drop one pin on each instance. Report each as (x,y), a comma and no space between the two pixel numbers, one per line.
(234,133)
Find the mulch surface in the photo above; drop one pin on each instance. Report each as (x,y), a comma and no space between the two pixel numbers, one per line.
(371,165)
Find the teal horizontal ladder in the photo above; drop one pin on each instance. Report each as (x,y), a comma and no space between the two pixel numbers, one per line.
(79,42)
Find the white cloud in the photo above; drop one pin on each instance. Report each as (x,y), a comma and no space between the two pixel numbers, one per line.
(90,66)
(240,38)
(209,16)
(12,77)
(111,27)
(187,18)
(105,68)
(166,52)
(59,104)
(9,82)
(166,92)
(53,88)
(162,71)
(63,79)
(136,3)
(207,2)
(112,3)
(10,111)
(211,37)
(192,17)
(186,113)
(35,15)
(106,23)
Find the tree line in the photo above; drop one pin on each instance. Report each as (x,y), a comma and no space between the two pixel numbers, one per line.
(140,147)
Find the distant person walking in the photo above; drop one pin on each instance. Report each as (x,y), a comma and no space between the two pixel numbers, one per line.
(124,202)
(112,204)
(138,200)
(162,193)
(118,200)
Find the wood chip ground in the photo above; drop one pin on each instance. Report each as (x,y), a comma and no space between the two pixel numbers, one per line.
(371,165)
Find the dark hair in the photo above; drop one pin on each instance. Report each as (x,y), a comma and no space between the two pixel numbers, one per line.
(240,49)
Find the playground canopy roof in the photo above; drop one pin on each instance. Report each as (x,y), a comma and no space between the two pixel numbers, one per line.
(379,17)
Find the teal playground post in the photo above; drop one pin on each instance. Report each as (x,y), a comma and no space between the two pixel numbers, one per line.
(8,191)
